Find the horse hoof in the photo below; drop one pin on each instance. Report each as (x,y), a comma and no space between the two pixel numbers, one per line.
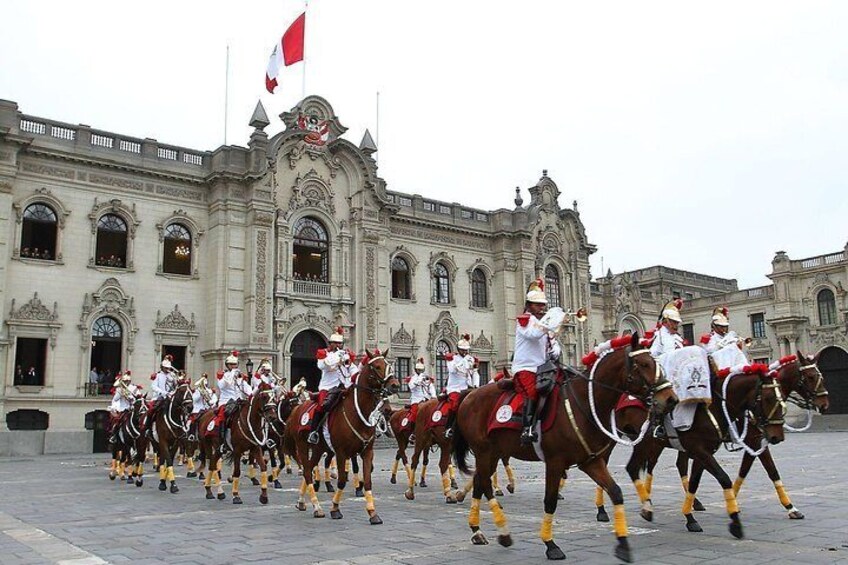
(479,539)
(139,482)
(499,492)
(694,527)
(254,481)
(409,494)
(375,520)
(505,540)
(697,506)
(460,495)
(623,552)
(129,480)
(510,489)
(393,480)
(560,496)
(237,500)
(453,484)
(112,477)
(330,488)
(191,475)
(423,483)
(163,486)
(736,529)
(450,500)
(647,515)
(277,484)
(554,553)
(336,514)
(210,496)
(263,499)
(174,489)
(229,479)
(221,496)
(318,514)
(602,515)
(201,476)
(288,471)
(359,493)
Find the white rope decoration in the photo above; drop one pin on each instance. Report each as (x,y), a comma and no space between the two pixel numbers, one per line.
(731,425)
(613,435)
(806,426)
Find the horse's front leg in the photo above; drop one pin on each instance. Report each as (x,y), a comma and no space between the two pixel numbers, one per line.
(367,467)
(553,477)
(236,474)
(335,510)
(329,460)
(767,461)
(263,475)
(445,467)
(683,470)
(416,455)
(161,458)
(708,462)
(598,472)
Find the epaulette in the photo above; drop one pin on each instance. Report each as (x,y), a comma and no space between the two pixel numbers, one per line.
(321,354)
(523,320)
(220,375)
(705,339)
(152,376)
(448,356)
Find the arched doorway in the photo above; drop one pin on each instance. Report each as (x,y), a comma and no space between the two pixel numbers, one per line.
(303,361)
(833,363)
(106,340)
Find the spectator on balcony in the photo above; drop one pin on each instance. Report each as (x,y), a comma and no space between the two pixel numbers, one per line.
(93,381)
(31,377)
(19,375)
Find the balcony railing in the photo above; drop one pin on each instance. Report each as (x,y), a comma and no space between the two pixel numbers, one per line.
(822,260)
(311,288)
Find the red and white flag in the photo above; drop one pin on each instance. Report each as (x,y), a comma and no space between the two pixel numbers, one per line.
(287,52)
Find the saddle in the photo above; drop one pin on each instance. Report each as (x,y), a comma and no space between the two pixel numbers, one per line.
(439,416)
(508,410)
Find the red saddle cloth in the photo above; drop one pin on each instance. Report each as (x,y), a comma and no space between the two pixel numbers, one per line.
(407,421)
(628,401)
(509,408)
(439,417)
(305,421)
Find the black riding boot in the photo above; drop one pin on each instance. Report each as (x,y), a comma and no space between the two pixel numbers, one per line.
(449,424)
(314,437)
(528,421)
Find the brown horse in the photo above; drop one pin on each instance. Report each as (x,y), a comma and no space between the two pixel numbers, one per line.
(576,438)
(801,383)
(756,392)
(170,425)
(126,436)
(351,432)
(248,433)
(276,431)
(400,429)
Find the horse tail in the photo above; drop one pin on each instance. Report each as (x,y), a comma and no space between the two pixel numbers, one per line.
(460,451)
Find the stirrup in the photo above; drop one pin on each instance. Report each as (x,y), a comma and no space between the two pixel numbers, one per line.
(528,436)
(449,432)
(659,432)
(313,438)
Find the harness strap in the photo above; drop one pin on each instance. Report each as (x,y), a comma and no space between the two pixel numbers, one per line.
(714,422)
(356,433)
(571,419)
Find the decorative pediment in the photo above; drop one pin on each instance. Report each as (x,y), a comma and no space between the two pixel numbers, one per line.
(42,195)
(445,259)
(315,115)
(311,191)
(114,206)
(34,310)
(444,328)
(403,337)
(180,217)
(482,343)
(175,321)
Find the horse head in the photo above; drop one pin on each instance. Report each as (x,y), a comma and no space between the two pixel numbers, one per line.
(266,403)
(645,377)
(182,398)
(378,372)
(811,384)
(768,407)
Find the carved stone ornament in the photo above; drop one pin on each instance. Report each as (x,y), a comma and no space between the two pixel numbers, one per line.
(311,191)
(34,310)
(482,343)
(403,337)
(175,321)
(34,319)
(114,206)
(109,300)
(444,328)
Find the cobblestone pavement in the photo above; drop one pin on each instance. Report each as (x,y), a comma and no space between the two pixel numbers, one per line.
(65,510)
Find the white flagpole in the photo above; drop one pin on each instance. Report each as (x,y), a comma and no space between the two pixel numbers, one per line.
(303,85)
(226,92)
(377,131)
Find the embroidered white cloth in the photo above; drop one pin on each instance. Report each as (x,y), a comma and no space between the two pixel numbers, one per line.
(688,371)
(729,356)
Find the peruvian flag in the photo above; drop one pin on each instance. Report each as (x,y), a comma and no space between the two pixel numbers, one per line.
(287,52)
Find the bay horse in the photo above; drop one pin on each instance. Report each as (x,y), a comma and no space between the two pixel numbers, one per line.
(801,383)
(169,427)
(576,438)
(128,432)
(733,396)
(276,431)
(247,433)
(351,428)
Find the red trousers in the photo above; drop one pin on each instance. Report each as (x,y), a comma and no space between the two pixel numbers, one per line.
(413,414)
(525,383)
(453,401)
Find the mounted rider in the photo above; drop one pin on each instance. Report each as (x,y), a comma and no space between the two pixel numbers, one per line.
(122,402)
(534,347)
(203,398)
(264,378)
(421,389)
(233,387)
(163,386)
(462,375)
(337,368)
(723,345)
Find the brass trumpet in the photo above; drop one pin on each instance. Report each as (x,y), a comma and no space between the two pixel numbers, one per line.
(581,315)
(747,341)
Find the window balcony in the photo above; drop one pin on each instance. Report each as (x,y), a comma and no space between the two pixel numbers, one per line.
(311,288)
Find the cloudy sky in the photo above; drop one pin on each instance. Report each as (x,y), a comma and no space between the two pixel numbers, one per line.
(700,137)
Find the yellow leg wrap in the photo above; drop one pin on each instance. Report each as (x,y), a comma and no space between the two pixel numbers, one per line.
(369,501)
(139,470)
(263,480)
(510,475)
(737,485)
(446,484)
(495,481)
(303,487)
(275,473)
(688,503)
(220,464)
(337,497)
(347,465)
(191,464)
(730,501)
(171,474)
(120,468)
(356,479)
(207,482)
(684,480)
(781,493)
(395,467)
(649,483)
(216,480)
(155,460)
(251,472)
(423,472)
(236,481)
(310,490)
(326,475)
(619,521)
(499,516)
(561,484)
(546,532)
(641,490)
(599,496)
(410,475)
(163,473)
(287,460)
(468,486)
(474,513)
(451,472)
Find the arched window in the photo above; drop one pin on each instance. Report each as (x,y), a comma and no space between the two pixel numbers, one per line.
(442,350)
(400,279)
(38,232)
(552,286)
(310,254)
(479,289)
(111,249)
(176,258)
(106,349)
(441,285)
(827,308)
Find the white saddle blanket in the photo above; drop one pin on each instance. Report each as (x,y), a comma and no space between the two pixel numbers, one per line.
(729,356)
(688,370)
(681,418)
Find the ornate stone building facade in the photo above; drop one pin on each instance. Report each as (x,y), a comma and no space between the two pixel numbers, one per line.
(117,250)
(804,309)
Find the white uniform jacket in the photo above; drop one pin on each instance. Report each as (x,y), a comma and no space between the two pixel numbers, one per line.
(163,385)
(123,400)
(232,387)
(421,388)
(665,342)
(200,404)
(333,371)
(462,374)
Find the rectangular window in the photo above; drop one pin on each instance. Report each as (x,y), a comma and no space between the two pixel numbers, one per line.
(689,333)
(466,214)
(481,217)
(689,296)
(429,207)
(403,370)
(484,372)
(758,325)
(178,352)
(444,209)
(404,201)
(30,361)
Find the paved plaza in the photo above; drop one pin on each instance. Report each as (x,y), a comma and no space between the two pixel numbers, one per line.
(63,509)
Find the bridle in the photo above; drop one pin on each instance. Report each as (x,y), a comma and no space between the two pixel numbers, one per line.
(802,394)
(268,408)
(376,417)
(178,425)
(758,415)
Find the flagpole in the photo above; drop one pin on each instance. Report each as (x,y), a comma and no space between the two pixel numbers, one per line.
(226,92)
(303,85)
(377,131)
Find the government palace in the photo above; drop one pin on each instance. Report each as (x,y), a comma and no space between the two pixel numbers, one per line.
(117,251)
